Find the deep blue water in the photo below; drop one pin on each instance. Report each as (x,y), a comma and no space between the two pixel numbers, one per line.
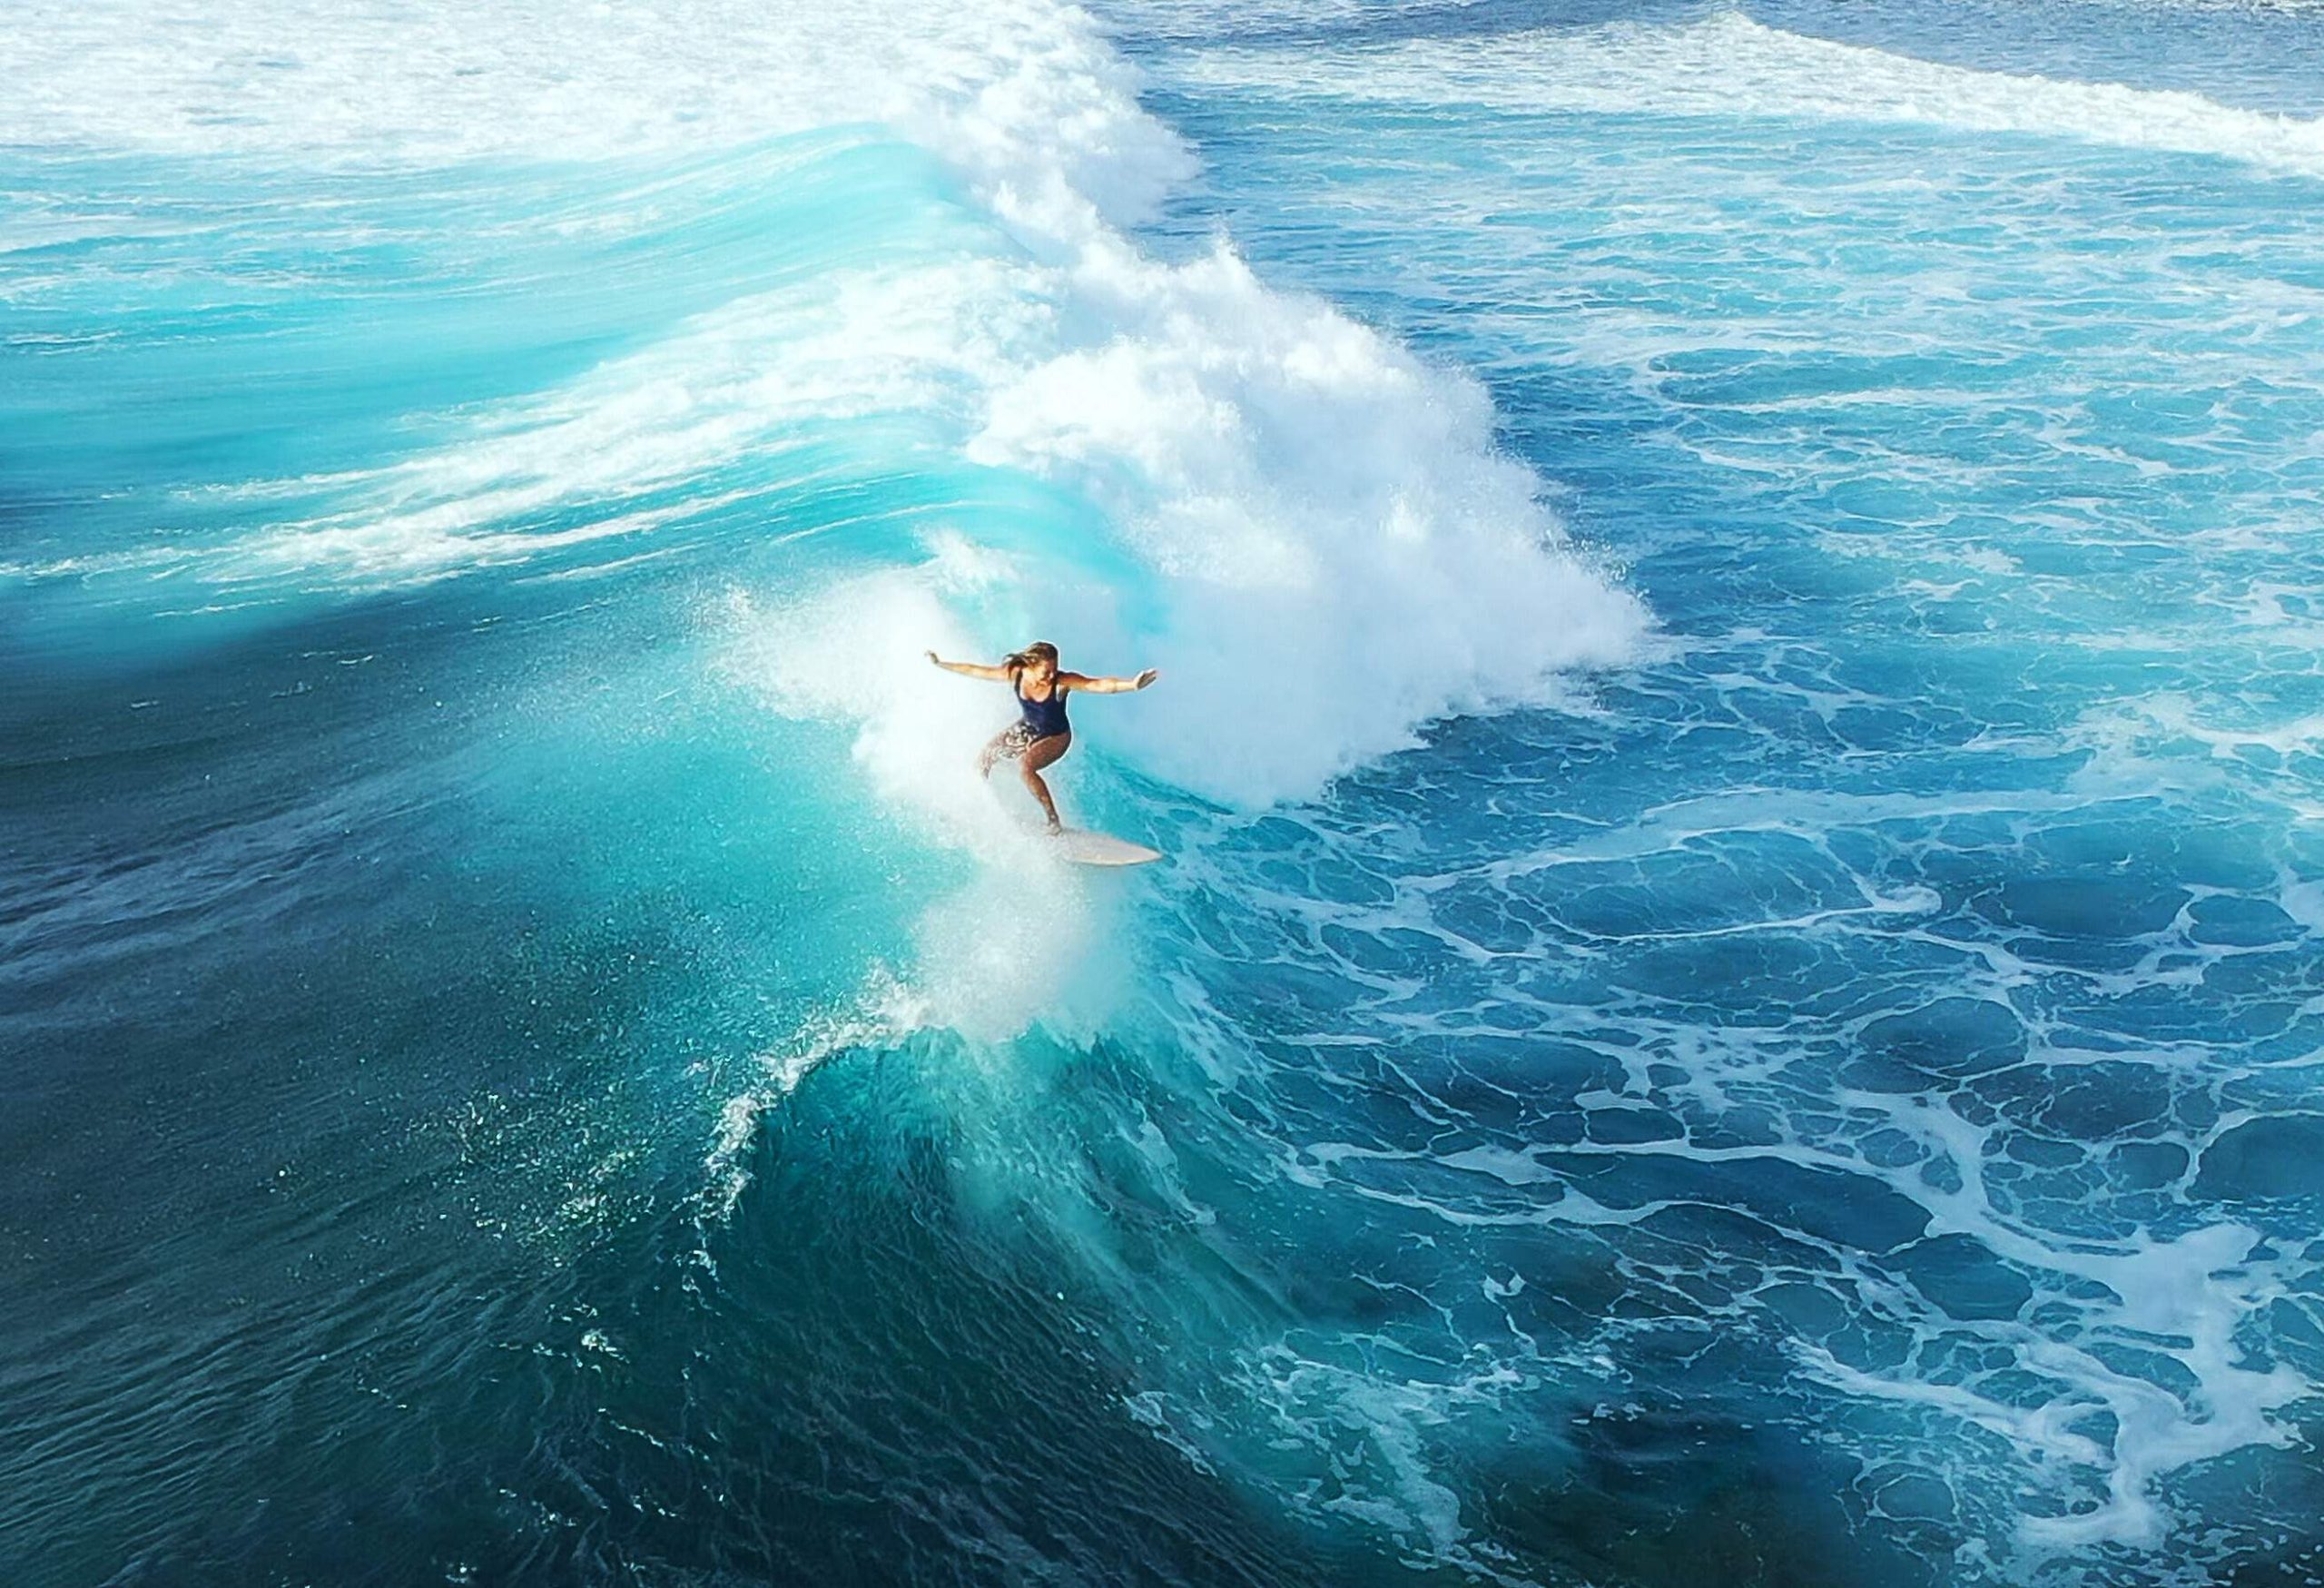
(1734,995)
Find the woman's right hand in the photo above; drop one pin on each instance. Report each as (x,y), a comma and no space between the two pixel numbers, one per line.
(935,660)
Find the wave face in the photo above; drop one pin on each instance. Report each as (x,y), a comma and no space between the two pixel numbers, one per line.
(1734,990)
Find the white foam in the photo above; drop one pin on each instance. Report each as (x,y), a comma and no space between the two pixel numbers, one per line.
(1339,552)
(1728,65)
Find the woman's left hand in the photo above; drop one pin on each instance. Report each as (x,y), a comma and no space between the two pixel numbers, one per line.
(1145,678)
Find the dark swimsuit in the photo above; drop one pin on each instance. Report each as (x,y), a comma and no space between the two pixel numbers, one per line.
(1046,718)
(1042,719)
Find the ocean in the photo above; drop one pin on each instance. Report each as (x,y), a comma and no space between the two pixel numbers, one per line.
(1734,995)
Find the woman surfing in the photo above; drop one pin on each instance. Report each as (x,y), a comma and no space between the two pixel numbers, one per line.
(1041,734)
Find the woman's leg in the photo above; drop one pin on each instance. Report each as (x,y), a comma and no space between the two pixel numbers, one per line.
(1005,746)
(1043,752)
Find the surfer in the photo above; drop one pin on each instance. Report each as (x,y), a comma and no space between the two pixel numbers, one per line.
(1040,733)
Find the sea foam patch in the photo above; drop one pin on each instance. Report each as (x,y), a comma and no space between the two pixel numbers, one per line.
(1728,65)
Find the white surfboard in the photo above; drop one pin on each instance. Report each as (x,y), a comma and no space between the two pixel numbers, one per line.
(1085,848)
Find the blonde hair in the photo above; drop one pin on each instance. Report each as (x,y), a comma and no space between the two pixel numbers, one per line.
(1040,650)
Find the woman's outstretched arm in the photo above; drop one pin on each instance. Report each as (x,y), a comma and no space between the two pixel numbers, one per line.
(970,669)
(1081,683)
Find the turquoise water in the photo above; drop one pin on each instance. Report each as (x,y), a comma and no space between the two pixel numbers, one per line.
(1735,992)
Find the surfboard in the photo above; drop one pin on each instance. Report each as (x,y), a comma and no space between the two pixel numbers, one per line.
(1084,848)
